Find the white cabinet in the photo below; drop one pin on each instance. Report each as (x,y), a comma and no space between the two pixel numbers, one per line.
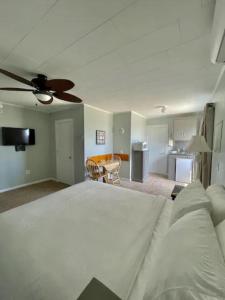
(184,169)
(184,129)
(180,167)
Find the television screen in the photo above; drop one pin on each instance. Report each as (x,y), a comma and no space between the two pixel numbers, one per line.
(18,136)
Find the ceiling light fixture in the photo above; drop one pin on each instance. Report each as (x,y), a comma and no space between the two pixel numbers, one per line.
(162,108)
(43,96)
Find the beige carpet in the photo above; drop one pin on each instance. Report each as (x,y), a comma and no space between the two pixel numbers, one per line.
(155,184)
(29,193)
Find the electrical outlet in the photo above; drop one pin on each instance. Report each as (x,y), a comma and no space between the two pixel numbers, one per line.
(27,172)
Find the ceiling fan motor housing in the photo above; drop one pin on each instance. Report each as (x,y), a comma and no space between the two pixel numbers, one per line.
(40,82)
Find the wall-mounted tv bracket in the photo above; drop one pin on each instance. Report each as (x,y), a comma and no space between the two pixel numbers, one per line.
(20,148)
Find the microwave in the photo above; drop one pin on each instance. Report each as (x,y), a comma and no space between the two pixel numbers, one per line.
(140,146)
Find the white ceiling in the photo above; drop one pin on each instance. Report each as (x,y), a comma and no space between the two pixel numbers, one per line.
(122,54)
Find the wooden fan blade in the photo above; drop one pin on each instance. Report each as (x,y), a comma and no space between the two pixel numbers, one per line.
(67,97)
(16,89)
(59,85)
(16,77)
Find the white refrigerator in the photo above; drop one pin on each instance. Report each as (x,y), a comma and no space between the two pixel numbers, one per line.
(184,169)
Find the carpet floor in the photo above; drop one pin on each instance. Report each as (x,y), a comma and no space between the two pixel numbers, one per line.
(155,184)
(29,193)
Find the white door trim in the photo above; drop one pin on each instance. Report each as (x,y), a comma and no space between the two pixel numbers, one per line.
(72,158)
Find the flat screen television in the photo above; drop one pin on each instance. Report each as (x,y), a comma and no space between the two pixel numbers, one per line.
(17,136)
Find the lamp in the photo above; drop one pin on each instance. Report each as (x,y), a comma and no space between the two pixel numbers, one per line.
(43,96)
(197,146)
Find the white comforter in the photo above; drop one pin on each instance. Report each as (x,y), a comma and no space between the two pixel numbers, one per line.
(51,248)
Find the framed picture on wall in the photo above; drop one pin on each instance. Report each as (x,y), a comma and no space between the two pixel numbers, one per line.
(218,137)
(100,137)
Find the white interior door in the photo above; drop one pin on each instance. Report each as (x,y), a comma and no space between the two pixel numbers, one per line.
(64,151)
(158,148)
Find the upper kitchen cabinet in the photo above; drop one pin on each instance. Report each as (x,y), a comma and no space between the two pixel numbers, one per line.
(184,128)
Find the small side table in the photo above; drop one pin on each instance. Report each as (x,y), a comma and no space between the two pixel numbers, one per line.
(176,190)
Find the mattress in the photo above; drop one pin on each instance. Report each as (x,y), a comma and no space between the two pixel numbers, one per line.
(51,248)
(159,232)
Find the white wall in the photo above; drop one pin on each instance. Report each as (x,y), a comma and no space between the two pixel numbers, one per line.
(169,120)
(40,159)
(122,140)
(134,130)
(218,162)
(95,119)
(37,158)
(138,128)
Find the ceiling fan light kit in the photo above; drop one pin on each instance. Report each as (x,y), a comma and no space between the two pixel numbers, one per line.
(44,89)
(43,97)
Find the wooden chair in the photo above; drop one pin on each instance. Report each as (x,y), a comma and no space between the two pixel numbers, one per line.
(114,173)
(95,171)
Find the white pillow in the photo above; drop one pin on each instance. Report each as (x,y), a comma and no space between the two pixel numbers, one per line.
(216,193)
(220,230)
(189,263)
(191,198)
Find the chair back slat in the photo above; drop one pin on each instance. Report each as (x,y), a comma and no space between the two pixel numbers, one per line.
(93,169)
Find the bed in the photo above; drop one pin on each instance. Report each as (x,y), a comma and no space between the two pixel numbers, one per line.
(51,248)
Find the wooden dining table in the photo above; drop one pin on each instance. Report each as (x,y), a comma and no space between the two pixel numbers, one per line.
(109,165)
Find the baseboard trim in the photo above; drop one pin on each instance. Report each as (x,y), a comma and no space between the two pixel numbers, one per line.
(125,179)
(26,184)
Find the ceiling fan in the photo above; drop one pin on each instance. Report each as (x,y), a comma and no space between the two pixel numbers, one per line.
(44,89)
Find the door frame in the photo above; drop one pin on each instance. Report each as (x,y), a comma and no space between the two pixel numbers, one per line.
(72,159)
(149,144)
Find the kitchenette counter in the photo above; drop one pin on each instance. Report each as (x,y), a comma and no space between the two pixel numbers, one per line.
(181,154)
